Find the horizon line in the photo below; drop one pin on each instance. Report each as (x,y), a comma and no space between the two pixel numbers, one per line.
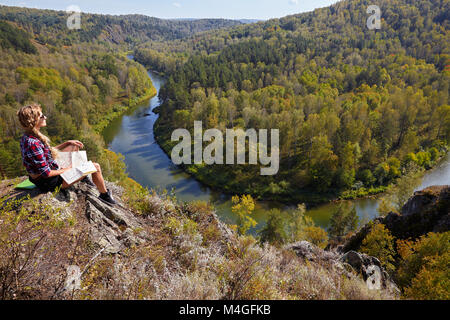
(162,18)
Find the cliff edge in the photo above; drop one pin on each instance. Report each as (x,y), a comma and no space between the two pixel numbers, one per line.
(428,210)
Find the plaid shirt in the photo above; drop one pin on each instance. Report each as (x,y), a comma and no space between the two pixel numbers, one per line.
(36,156)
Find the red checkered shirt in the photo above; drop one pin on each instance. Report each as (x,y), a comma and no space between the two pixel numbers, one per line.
(36,157)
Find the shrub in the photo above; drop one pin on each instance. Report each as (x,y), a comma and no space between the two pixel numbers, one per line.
(34,246)
(282,227)
(367,177)
(423,269)
(137,197)
(394,168)
(211,234)
(244,207)
(317,236)
(190,227)
(173,226)
(113,166)
(434,153)
(398,194)
(380,243)
(423,159)
(433,280)
(248,273)
(274,230)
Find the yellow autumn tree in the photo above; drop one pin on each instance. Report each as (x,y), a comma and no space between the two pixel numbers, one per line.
(243,206)
(423,272)
(380,243)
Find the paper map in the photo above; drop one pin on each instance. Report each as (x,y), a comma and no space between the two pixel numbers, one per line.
(80,165)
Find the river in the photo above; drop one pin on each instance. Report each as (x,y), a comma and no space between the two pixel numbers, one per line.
(132,135)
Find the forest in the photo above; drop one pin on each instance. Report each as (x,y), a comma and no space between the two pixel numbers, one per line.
(49,26)
(356,108)
(81,78)
(358,111)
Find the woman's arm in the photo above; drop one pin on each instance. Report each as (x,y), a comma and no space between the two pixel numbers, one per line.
(51,173)
(38,166)
(62,145)
(76,143)
(54,173)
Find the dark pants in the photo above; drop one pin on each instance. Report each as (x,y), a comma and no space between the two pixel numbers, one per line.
(47,184)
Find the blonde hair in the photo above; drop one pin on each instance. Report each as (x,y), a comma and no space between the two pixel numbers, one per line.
(29,117)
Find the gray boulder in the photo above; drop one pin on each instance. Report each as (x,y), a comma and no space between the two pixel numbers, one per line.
(310,252)
(370,269)
(351,262)
(111,227)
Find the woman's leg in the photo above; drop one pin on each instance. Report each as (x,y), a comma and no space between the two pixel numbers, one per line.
(98,180)
(65,185)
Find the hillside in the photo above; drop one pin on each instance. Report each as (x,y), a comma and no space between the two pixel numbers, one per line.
(150,246)
(81,248)
(80,88)
(356,108)
(49,26)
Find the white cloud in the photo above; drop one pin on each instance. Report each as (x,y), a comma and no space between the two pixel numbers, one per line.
(294,2)
(177,4)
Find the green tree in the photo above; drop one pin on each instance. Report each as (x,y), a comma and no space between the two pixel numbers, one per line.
(398,194)
(322,163)
(343,221)
(275,229)
(287,227)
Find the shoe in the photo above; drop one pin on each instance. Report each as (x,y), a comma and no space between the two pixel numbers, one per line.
(88,181)
(65,193)
(107,197)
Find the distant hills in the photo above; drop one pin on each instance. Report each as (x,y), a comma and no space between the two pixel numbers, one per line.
(49,26)
(245,21)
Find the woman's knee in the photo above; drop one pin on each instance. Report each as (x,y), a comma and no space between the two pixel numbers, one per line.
(97,166)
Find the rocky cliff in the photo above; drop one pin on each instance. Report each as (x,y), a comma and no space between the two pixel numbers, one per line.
(428,210)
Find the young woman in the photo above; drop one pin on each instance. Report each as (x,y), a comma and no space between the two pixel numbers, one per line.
(38,156)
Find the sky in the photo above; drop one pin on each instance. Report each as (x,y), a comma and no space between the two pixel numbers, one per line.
(229,9)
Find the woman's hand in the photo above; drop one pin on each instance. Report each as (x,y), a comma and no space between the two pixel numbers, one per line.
(77,143)
(58,172)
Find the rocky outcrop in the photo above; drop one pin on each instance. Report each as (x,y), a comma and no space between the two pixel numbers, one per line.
(371,270)
(112,230)
(310,252)
(426,211)
(110,227)
(347,264)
